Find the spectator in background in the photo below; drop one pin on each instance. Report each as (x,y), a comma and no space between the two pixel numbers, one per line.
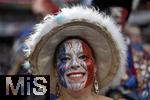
(136,39)
(118,9)
(140,61)
(19,64)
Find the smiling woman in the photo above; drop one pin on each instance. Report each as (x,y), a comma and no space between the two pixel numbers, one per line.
(81,49)
(74,64)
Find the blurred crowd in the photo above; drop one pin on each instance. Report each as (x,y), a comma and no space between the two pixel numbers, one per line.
(17,17)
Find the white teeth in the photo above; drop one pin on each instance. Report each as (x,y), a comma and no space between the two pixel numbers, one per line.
(76,75)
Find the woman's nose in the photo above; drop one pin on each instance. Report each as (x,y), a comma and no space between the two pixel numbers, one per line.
(75,64)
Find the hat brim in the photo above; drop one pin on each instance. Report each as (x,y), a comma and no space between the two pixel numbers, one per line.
(100,40)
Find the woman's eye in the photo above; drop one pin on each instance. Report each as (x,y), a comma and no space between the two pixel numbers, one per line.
(83,57)
(65,59)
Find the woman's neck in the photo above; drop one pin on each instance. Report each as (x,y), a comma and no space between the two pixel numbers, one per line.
(83,94)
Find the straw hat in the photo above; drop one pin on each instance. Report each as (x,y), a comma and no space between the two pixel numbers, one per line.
(98,29)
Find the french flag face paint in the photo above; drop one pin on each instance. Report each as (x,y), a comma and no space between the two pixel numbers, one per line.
(75,64)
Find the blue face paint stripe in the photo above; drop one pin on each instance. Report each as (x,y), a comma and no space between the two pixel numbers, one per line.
(60,69)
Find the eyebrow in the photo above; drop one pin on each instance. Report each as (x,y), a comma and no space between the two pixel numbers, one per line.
(64,54)
(80,53)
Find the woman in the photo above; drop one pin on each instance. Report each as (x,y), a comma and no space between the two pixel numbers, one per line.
(81,49)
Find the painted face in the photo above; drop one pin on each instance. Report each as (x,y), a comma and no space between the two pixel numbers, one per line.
(75,64)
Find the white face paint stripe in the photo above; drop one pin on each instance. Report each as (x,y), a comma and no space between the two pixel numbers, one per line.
(74,47)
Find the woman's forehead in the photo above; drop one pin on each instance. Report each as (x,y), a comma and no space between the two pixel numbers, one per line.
(74,43)
(75,46)
(73,40)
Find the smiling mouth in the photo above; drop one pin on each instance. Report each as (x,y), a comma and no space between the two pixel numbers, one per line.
(76,76)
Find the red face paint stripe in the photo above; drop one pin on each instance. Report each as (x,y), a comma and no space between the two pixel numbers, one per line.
(90,64)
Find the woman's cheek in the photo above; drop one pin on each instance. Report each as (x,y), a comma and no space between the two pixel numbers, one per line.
(90,64)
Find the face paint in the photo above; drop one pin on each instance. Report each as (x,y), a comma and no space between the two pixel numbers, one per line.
(75,65)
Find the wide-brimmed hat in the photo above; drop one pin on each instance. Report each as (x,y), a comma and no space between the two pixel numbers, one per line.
(96,28)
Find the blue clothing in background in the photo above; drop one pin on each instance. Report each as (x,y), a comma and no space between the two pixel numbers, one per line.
(52,97)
